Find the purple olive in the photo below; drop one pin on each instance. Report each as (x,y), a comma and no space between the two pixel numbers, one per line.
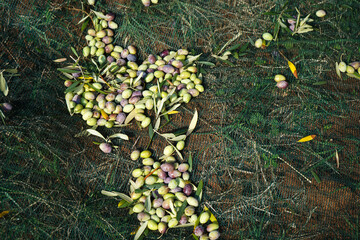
(164,53)
(120,62)
(157,202)
(110,97)
(174,174)
(183,167)
(101,122)
(180,86)
(6,107)
(134,100)
(188,188)
(76,75)
(76,98)
(141,72)
(161,174)
(199,230)
(110,59)
(152,59)
(131,58)
(124,53)
(136,94)
(168,69)
(166,203)
(140,87)
(282,84)
(107,40)
(150,70)
(120,118)
(110,16)
(105,147)
(100,97)
(183,220)
(167,180)
(167,167)
(124,102)
(170,61)
(68,83)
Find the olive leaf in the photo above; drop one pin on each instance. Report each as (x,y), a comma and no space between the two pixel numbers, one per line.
(141,230)
(172,109)
(168,135)
(74,51)
(95,133)
(66,70)
(191,59)
(190,161)
(148,203)
(117,194)
(72,87)
(59,60)
(192,123)
(11,70)
(172,208)
(157,124)
(198,192)
(338,70)
(123,204)
(119,135)
(184,225)
(195,237)
(178,138)
(3,85)
(99,14)
(181,210)
(132,114)
(68,106)
(207,63)
(83,19)
(354,75)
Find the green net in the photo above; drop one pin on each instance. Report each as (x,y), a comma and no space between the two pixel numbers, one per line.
(259,181)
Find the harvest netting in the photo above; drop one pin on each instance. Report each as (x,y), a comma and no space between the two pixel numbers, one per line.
(259,181)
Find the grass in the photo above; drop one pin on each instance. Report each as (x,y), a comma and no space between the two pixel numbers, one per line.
(257,177)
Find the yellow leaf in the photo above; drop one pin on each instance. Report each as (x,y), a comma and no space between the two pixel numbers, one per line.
(307,138)
(86,78)
(173,112)
(134,232)
(293,69)
(212,217)
(4,213)
(103,113)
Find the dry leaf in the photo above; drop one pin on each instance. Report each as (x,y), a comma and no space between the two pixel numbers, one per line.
(95,133)
(4,213)
(59,60)
(141,230)
(337,159)
(293,69)
(307,138)
(192,123)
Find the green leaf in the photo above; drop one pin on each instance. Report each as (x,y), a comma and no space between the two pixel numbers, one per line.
(120,135)
(95,133)
(195,237)
(148,203)
(96,89)
(354,75)
(66,70)
(198,192)
(193,123)
(190,162)
(270,13)
(244,47)
(13,70)
(320,83)
(74,51)
(123,204)
(184,225)
(181,210)
(84,25)
(236,55)
(141,230)
(315,176)
(234,47)
(117,194)
(72,86)
(3,85)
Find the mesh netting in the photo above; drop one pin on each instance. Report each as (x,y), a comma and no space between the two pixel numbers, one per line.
(259,181)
